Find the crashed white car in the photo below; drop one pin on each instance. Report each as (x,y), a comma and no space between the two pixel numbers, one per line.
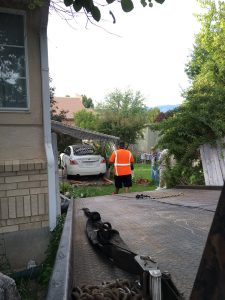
(81,160)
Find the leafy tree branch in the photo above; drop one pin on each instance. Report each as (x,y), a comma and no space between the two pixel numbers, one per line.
(90,8)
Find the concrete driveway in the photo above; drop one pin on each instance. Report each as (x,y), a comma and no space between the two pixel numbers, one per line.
(172,228)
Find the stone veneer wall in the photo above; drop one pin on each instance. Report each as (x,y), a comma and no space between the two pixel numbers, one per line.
(23,195)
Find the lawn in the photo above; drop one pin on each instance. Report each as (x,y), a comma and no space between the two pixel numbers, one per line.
(141,173)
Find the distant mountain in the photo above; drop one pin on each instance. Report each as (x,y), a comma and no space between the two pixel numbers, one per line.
(165,108)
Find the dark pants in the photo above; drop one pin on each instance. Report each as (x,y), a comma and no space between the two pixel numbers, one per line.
(124,180)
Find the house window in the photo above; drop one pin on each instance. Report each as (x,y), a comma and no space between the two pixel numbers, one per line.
(13,86)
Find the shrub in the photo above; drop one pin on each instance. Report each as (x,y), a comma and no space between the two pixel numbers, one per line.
(184,175)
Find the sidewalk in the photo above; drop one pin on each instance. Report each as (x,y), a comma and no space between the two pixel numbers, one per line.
(172,228)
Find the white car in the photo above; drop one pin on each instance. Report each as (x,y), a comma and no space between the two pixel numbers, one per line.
(81,160)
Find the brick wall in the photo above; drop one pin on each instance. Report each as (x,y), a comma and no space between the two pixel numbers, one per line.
(23,195)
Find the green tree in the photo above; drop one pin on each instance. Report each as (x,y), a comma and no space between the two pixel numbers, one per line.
(152,114)
(206,66)
(206,70)
(86,119)
(201,118)
(123,115)
(87,102)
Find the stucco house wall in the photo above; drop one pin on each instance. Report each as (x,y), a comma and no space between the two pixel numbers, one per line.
(149,140)
(23,163)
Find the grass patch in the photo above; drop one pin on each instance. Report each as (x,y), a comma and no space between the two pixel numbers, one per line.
(93,191)
(141,171)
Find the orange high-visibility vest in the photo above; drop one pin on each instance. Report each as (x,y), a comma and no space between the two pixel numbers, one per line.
(122,160)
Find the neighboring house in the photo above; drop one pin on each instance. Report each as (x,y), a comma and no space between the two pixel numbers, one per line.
(69,104)
(28,205)
(149,140)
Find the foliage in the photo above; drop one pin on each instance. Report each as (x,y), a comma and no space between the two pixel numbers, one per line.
(52,251)
(56,116)
(65,187)
(160,117)
(103,149)
(206,65)
(87,102)
(184,175)
(193,124)
(92,9)
(152,114)
(86,119)
(61,116)
(123,115)
(201,118)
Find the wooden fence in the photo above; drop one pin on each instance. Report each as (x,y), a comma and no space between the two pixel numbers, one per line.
(213,162)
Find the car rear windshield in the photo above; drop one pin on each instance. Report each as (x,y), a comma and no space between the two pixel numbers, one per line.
(83,150)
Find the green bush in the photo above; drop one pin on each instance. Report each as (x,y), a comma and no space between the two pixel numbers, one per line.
(184,175)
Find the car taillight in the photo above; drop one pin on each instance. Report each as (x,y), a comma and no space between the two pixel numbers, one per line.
(73,162)
(103,161)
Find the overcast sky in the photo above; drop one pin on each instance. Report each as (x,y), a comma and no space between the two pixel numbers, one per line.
(147,52)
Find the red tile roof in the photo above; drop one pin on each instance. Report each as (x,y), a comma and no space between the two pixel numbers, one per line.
(70,104)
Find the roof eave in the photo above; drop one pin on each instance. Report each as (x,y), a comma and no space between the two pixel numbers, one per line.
(81,133)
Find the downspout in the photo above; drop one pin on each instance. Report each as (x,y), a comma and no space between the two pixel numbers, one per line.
(52,197)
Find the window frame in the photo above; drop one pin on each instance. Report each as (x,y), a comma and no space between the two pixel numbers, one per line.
(23,14)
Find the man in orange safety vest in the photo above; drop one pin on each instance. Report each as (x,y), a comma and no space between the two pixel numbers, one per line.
(123,165)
